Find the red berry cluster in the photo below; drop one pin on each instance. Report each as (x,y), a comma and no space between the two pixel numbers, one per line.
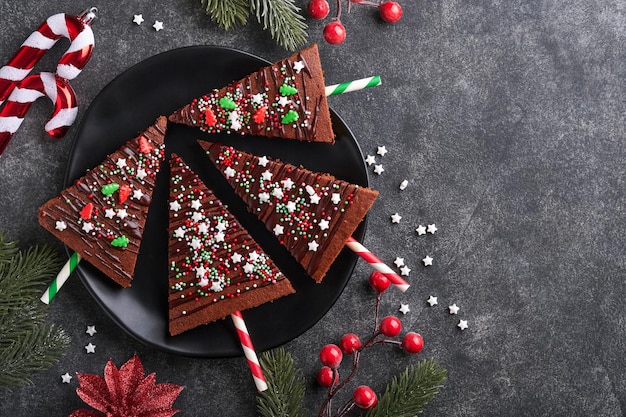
(331,355)
(335,32)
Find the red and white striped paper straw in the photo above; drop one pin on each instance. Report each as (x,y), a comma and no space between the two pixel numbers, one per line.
(376,263)
(248,350)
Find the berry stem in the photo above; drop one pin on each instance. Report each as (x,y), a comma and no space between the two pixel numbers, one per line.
(376,309)
(338,16)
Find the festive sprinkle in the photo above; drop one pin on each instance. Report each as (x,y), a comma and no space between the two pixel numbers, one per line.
(462,324)
(138,19)
(381,151)
(421,230)
(428,261)
(404,308)
(290,117)
(399,262)
(431,229)
(454,309)
(405,271)
(90,348)
(378,169)
(403,185)
(120,242)
(432,301)
(108,189)
(227,103)
(158,25)
(370,159)
(395,218)
(91,330)
(287,90)
(66,378)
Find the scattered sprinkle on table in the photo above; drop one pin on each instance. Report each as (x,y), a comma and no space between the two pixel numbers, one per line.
(378,169)
(405,271)
(432,301)
(404,308)
(431,229)
(403,185)
(428,261)
(370,160)
(395,218)
(399,262)
(91,330)
(381,150)
(66,378)
(157,25)
(138,19)
(90,348)
(462,324)
(454,309)
(421,230)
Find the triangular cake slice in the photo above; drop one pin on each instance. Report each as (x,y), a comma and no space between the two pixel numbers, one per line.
(311,213)
(102,215)
(215,266)
(285,100)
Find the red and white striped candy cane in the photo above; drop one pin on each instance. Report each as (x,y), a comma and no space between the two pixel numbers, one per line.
(248,351)
(74,28)
(57,89)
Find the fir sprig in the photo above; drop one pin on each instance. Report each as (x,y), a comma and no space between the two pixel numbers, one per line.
(282,17)
(408,393)
(286,386)
(27,343)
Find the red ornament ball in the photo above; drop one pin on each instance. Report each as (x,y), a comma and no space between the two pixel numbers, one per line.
(325,376)
(350,343)
(334,33)
(412,342)
(364,397)
(379,282)
(318,9)
(390,326)
(330,355)
(390,11)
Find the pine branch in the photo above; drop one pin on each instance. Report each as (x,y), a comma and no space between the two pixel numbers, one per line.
(227,13)
(409,392)
(287,26)
(27,344)
(286,385)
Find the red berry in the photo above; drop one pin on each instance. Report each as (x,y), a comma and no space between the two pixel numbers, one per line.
(390,326)
(350,343)
(379,282)
(412,342)
(325,376)
(330,355)
(318,9)
(390,11)
(364,397)
(334,33)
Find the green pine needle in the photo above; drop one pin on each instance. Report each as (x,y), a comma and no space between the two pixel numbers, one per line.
(27,344)
(284,21)
(409,392)
(227,13)
(286,385)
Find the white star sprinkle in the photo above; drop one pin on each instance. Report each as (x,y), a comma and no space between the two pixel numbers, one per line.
(253,256)
(315,199)
(235,125)
(196,204)
(405,271)
(109,213)
(229,172)
(203,228)
(287,183)
(462,324)
(220,236)
(431,229)
(278,230)
(122,214)
(201,271)
(267,175)
(454,309)
(378,169)
(404,308)
(87,227)
(257,98)
(204,281)
(179,233)
(90,348)
(121,163)
(432,301)
(236,258)
(370,160)
(141,173)
(222,226)
(381,151)
(313,245)
(137,194)
(175,206)
(395,218)
(91,330)
(278,193)
(399,261)
(196,216)
(138,19)
(264,198)
(291,206)
(263,161)
(196,244)
(248,268)
(66,378)
(216,286)
(403,185)
(336,198)
(298,66)
(421,230)
(427,261)
(60,226)
(158,25)
(283,101)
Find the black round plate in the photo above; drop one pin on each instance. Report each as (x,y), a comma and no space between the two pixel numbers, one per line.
(129,104)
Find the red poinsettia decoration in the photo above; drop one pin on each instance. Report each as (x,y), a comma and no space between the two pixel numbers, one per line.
(125,392)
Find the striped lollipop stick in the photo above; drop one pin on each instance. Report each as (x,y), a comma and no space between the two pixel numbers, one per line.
(61,277)
(248,350)
(333,90)
(377,264)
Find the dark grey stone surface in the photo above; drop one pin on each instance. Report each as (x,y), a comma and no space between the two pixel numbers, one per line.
(506,117)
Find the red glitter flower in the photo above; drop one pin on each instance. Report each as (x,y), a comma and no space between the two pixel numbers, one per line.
(126,393)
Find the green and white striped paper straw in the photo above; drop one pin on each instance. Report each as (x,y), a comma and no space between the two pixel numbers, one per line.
(333,90)
(61,277)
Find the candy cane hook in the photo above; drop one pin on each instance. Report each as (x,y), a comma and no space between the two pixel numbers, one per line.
(57,89)
(74,28)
